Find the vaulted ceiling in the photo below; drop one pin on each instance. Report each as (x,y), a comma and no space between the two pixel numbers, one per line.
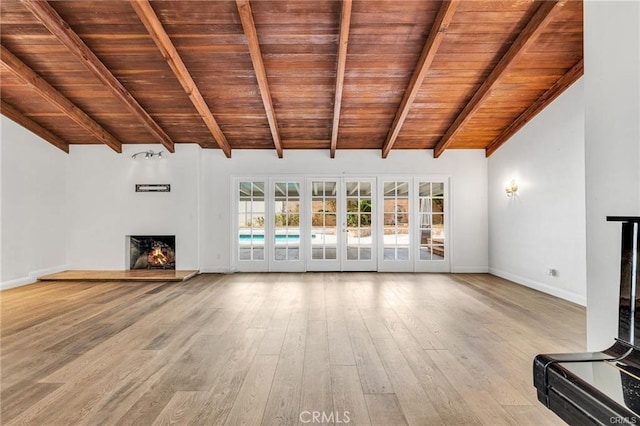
(286,74)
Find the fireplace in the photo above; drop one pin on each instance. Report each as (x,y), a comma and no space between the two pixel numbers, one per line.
(153,251)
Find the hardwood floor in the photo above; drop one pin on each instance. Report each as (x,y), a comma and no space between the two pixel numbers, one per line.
(285,349)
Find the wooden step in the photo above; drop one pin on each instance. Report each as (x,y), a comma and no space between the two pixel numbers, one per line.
(130,275)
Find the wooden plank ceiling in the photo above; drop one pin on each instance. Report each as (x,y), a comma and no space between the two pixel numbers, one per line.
(286,74)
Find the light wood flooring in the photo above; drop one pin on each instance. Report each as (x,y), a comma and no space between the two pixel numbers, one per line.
(250,349)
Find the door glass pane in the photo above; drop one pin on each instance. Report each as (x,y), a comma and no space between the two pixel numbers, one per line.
(244,254)
(317,253)
(437,205)
(424,189)
(403,189)
(351,189)
(402,253)
(431,223)
(396,238)
(330,253)
(437,252)
(280,190)
(330,205)
(365,189)
(251,214)
(359,220)
(286,220)
(389,189)
(258,253)
(390,205)
(352,253)
(324,226)
(365,253)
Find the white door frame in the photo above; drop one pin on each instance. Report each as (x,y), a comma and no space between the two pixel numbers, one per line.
(304,261)
(359,265)
(394,265)
(323,264)
(237,263)
(287,265)
(431,265)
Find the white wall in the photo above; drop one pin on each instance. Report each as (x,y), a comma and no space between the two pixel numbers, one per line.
(87,200)
(467,169)
(33,224)
(543,226)
(104,207)
(612,101)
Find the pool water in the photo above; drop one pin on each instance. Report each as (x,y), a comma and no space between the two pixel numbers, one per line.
(260,238)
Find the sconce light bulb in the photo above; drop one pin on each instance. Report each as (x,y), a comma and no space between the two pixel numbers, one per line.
(511,188)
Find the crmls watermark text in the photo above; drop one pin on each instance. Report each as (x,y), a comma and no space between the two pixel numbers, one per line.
(623,420)
(335,417)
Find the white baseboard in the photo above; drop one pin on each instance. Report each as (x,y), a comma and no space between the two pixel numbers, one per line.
(32,277)
(18,282)
(215,270)
(470,269)
(545,288)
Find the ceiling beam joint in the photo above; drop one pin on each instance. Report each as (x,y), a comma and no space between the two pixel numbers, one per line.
(12,113)
(25,74)
(343,43)
(536,25)
(59,28)
(541,103)
(154,27)
(250,33)
(431,46)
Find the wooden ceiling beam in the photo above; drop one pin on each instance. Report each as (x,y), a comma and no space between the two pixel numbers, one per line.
(343,42)
(541,103)
(250,33)
(10,112)
(160,37)
(436,35)
(59,28)
(543,15)
(44,89)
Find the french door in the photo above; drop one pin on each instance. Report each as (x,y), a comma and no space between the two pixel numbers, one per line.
(340,231)
(250,230)
(285,250)
(431,227)
(359,219)
(415,225)
(397,217)
(341,224)
(268,235)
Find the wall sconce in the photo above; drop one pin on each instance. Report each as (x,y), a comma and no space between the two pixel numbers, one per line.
(511,188)
(147,155)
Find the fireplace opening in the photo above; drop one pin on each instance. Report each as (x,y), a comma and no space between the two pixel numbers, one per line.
(153,251)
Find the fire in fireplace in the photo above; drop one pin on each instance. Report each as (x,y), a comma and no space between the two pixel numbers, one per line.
(153,251)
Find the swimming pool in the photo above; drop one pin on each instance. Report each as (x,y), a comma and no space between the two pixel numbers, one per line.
(259,238)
